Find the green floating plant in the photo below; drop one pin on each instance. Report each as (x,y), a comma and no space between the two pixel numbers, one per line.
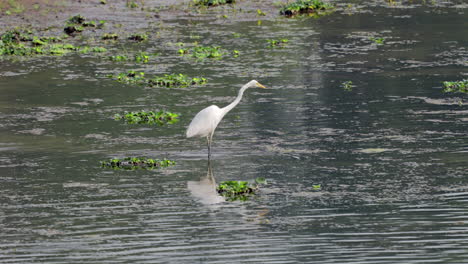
(159,118)
(347,86)
(139,37)
(130,77)
(212,2)
(202,52)
(277,42)
(314,7)
(142,57)
(118,58)
(377,40)
(456,86)
(77,23)
(239,190)
(110,36)
(132,163)
(168,80)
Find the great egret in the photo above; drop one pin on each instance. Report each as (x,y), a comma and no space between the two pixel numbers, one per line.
(205,122)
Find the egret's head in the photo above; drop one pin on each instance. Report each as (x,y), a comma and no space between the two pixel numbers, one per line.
(254,83)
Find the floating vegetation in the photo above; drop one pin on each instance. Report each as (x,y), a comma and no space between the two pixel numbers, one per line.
(143,117)
(212,2)
(133,163)
(118,58)
(132,4)
(456,86)
(260,13)
(378,41)
(130,77)
(277,42)
(110,36)
(347,86)
(311,7)
(142,57)
(138,37)
(76,24)
(16,43)
(168,80)
(239,190)
(202,52)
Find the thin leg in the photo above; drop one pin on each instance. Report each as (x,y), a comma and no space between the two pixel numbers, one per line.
(208,140)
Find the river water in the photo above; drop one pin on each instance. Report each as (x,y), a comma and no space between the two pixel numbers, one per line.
(390,154)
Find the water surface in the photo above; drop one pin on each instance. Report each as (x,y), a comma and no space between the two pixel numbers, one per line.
(390,155)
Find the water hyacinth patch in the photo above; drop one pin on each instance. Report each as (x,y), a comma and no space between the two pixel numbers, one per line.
(118,58)
(202,52)
(142,57)
(456,86)
(277,42)
(159,118)
(170,80)
(132,163)
(235,190)
(377,40)
(239,190)
(130,77)
(138,37)
(212,2)
(317,7)
(347,86)
(76,24)
(110,36)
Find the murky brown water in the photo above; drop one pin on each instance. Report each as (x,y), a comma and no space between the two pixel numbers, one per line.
(390,155)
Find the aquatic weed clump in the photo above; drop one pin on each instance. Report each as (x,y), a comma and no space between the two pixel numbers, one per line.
(133,163)
(212,2)
(130,77)
(202,52)
(77,23)
(17,43)
(170,80)
(235,190)
(456,86)
(273,43)
(239,190)
(139,37)
(159,117)
(314,7)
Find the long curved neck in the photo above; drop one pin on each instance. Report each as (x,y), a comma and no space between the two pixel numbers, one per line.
(229,107)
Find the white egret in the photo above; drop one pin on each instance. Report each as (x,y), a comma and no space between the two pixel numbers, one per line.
(206,121)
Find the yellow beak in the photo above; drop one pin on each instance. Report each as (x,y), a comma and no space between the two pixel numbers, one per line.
(261,86)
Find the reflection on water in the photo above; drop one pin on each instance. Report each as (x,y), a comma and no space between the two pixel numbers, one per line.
(204,190)
(390,155)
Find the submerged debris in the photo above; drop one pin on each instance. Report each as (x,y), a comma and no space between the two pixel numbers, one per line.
(132,163)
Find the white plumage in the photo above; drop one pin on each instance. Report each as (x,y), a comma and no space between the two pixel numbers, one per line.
(205,122)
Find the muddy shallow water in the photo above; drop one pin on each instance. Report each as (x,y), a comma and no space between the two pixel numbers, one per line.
(390,155)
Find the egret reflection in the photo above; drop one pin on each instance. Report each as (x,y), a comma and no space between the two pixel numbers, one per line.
(205,189)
